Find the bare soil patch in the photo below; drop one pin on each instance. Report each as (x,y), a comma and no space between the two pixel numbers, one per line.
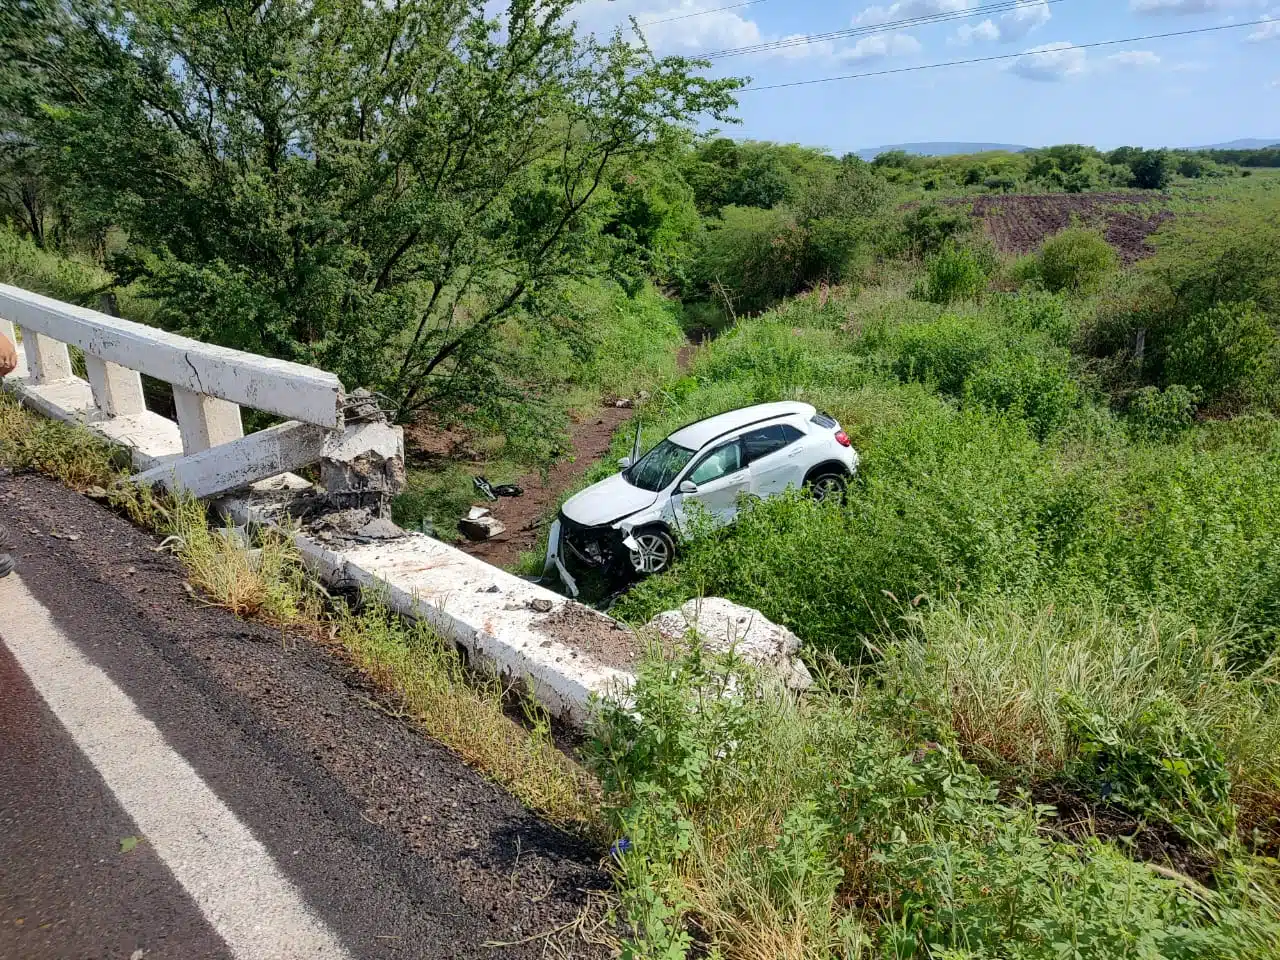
(1019,224)
(602,639)
(525,516)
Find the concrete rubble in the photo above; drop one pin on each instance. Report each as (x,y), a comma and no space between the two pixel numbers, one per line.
(364,468)
(480,524)
(724,625)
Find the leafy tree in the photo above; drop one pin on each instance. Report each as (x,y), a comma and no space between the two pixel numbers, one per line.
(1067,167)
(752,257)
(1152,169)
(896,160)
(25,192)
(375,188)
(928,227)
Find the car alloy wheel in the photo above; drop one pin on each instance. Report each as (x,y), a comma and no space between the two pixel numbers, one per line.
(653,553)
(829,486)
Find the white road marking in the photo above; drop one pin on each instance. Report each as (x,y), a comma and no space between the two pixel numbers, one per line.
(222,867)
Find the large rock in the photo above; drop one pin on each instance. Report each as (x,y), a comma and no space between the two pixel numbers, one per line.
(723,624)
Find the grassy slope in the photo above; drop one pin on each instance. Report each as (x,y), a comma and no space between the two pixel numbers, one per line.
(1064,606)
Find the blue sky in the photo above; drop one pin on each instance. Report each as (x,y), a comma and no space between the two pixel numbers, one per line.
(1173,92)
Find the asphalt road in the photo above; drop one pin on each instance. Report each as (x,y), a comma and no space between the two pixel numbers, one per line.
(177,783)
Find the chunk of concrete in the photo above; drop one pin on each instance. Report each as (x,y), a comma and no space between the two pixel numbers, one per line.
(724,625)
(478,528)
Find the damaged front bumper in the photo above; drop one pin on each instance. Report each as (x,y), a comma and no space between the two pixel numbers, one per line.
(574,550)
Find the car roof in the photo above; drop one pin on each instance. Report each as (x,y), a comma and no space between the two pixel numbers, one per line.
(698,435)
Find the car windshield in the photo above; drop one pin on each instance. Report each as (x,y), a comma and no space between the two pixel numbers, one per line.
(658,468)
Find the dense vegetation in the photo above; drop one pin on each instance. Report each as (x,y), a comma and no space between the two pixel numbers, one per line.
(1047,619)
(1049,615)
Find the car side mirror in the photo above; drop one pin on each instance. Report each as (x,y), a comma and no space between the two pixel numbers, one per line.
(625,463)
(688,486)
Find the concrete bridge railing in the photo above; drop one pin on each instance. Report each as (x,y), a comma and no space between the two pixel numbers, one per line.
(206,451)
(516,626)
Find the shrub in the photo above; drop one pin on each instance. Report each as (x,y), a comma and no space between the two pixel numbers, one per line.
(927,228)
(1231,255)
(1076,260)
(942,353)
(1228,350)
(956,272)
(1038,311)
(1158,416)
(1153,761)
(1040,389)
(754,257)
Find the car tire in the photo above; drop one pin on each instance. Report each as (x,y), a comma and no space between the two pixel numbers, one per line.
(829,484)
(657,552)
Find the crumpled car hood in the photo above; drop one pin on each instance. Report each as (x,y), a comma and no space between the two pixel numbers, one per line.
(607,502)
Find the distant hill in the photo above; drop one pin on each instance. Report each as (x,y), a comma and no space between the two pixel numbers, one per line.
(1247,144)
(940,149)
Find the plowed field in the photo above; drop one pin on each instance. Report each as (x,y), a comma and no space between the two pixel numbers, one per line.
(1019,224)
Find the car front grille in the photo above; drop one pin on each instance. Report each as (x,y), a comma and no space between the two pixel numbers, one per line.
(591,547)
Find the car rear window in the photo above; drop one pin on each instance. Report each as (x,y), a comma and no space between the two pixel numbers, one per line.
(824,420)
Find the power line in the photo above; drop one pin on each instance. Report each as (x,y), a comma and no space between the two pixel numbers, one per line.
(703,13)
(1004,56)
(1006,6)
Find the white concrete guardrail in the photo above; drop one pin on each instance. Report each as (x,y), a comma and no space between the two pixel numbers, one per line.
(499,618)
(206,451)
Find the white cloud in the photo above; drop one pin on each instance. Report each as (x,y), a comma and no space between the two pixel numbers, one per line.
(1267,31)
(969,33)
(1175,6)
(909,10)
(1134,59)
(1027,16)
(1051,63)
(712,30)
(880,46)
(1275,84)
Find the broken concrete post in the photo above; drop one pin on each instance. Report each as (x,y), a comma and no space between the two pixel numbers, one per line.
(364,468)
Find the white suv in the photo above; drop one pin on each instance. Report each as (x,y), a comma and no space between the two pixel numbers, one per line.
(626,525)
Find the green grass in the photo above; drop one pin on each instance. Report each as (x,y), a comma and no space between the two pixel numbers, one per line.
(830,828)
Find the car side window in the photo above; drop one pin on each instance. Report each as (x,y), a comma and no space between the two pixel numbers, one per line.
(718,463)
(767,440)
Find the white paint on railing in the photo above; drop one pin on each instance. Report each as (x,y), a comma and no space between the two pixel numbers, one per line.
(47,359)
(205,421)
(117,390)
(275,386)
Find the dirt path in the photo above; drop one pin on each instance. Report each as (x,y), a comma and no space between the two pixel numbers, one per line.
(524,516)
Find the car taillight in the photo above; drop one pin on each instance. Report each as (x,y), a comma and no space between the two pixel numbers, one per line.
(842,438)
